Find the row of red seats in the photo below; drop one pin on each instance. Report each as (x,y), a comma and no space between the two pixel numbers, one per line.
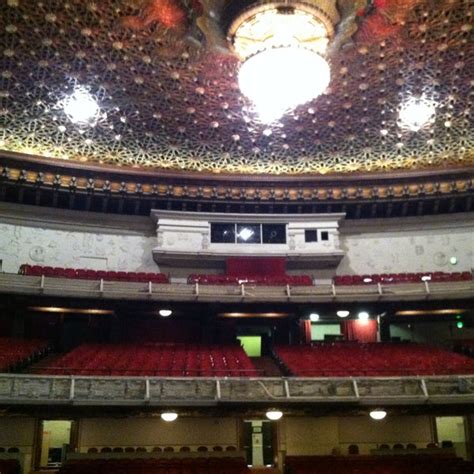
(406,464)
(392,278)
(170,360)
(84,274)
(9,466)
(277,280)
(224,465)
(17,351)
(344,359)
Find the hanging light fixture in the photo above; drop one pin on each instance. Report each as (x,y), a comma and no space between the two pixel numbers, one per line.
(169,416)
(273,414)
(378,414)
(282,45)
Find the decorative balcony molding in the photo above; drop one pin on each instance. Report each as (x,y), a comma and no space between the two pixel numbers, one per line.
(187,391)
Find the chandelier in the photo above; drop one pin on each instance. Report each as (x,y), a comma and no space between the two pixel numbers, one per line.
(282,45)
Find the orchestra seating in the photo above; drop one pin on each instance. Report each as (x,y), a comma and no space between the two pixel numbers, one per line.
(386,464)
(9,466)
(83,274)
(153,359)
(344,359)
(275,280)
(392,278)
(17,352)
(224,465)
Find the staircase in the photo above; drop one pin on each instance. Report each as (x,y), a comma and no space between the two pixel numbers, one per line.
(267,366)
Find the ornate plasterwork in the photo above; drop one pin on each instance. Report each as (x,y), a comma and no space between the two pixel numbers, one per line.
(171,101)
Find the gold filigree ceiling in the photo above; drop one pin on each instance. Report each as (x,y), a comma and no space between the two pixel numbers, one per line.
(169,97)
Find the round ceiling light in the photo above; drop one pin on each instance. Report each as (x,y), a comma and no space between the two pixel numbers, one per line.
(282,46)
(81,107)
(363,316)
(164,312)
(169,416)
(378,414)
(343,313)
(416,113)
(314,317)
(274,415)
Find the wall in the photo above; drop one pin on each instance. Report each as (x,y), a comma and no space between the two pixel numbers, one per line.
(150,432)
(407,245)
(18,432)
(309,435)
(430,332)
(74,240)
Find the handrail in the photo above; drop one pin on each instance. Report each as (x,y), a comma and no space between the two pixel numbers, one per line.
(52,286)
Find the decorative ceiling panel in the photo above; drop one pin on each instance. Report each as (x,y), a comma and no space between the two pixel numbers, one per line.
(165,82)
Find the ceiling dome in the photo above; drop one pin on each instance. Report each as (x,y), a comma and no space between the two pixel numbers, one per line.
(164,81)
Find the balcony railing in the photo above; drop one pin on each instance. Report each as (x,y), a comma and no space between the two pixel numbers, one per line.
(66,287)
(187,391)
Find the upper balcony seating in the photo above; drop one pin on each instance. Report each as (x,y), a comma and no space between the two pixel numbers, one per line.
(14,352)
(83,274)
(227,465)
(265,280)
(391,278)
(168,360)
(406,464)
(345,359)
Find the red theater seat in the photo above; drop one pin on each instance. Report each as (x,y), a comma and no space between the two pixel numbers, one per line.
(343,359)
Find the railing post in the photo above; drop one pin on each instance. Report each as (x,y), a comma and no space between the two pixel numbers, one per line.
(427,287)
(424,388)
(287,388)
(218,389)
(42,283)
(101,286)
(147,389)
(379,288)
(356,388)
(196,289)
(242,290)
(288,291)
(333,288)
(72,389)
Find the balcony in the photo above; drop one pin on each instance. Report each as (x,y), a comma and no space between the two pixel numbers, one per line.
(149,291)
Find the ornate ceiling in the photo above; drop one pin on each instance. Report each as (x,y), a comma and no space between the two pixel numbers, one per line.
(166,84)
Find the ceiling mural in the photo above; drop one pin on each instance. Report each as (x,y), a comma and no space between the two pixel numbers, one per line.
(161,81)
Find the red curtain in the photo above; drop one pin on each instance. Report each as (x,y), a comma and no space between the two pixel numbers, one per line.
(305,331)
(255,266)
(362,331)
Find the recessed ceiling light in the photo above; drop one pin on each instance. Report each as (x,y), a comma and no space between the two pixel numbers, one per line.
(81,107)
(416,113)
(314,317)
(165,312)
(343,313)
(274,415)
(378,414)
(363,316)
(169,416)
(453,260)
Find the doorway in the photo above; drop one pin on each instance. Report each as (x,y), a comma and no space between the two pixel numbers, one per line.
(55,441)
(259,442)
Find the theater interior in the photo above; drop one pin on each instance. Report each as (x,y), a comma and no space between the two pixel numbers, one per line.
(236,237)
